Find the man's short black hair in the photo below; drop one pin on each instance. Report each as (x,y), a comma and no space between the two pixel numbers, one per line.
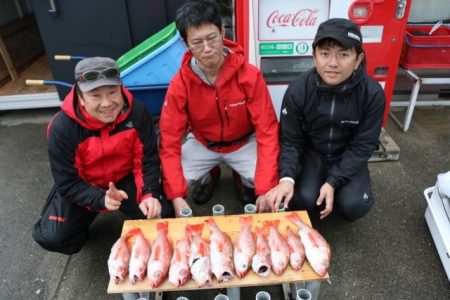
(194,13)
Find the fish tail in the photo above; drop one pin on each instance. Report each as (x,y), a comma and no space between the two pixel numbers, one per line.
(246,220)
(273,223)
(162,226)
(294,218)
(211,222)
(131,233)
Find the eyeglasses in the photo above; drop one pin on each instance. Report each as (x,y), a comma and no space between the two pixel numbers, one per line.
(211,42)
(94,75)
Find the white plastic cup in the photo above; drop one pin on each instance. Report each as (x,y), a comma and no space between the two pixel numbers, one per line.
(250,208)
(218,210)
(262,295)
(182,298)
(281,207)
(186,212)
(221,297)
(303,294)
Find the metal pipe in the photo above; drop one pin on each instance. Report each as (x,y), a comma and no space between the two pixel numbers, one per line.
(314,288)
(262,295)
(52,9)
(303,294)
(221,297)
(218,210)
(250,209)
(186,212)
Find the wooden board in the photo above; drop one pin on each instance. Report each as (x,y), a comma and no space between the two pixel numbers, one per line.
(229,224)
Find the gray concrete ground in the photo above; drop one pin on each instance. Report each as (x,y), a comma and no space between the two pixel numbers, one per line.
(389,254)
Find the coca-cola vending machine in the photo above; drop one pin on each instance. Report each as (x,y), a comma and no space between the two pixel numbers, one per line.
(277,37)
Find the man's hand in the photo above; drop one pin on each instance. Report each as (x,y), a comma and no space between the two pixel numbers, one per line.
(285,189)
(150,207)
(114,197)
(178,204)
(261,204)
(327,194)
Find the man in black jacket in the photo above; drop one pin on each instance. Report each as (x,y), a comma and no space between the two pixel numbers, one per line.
(331,119)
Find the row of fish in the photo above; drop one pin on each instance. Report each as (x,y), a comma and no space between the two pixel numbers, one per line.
(263,250)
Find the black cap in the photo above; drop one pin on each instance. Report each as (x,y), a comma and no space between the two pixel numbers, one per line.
(342,30)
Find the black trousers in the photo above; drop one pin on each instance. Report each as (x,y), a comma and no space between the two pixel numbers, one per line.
(353,200)
(64,226)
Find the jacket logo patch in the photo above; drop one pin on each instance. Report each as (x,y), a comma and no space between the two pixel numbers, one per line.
(350,122)
(129,124)
(284,111)
(237,103)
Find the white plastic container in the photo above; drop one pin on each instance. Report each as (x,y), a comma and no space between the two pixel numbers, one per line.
(437,218)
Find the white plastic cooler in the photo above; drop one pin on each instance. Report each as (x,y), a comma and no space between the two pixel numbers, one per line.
(437,216)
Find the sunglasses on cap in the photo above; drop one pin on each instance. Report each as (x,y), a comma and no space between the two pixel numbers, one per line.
(94,75)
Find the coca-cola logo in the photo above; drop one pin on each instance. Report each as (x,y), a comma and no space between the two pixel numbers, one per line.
(303,17)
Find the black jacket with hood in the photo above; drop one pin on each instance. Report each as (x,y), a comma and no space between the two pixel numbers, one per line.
(342,123)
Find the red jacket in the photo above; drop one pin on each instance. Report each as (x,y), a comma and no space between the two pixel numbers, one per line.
(238,104)
(86,154)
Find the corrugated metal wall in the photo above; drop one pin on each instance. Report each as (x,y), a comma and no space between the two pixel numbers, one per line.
(11,10)
(8,11)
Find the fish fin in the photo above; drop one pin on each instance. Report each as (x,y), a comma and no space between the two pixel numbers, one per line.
(313,239)
(203,249)
(157,252)
(162,226)
(246,220)
(137,253)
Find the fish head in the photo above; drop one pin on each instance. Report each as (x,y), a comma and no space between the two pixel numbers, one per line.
(261,265)
(297,260)
(155,273)
(118,270)
(242,263)
(137,270)
(201,271)
(320,260)
(179,274)
(279,262)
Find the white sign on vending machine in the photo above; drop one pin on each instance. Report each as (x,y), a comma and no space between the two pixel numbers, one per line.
(294,20)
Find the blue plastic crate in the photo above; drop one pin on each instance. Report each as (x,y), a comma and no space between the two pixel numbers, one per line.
(152,96)
(158,67)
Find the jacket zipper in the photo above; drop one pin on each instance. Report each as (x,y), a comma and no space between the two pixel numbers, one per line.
(330,135)
(220,114)
(226,113)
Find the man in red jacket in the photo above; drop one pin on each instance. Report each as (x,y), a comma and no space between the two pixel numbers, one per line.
(103,157)
(223,104)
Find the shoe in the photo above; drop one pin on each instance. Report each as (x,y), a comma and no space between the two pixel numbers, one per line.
(203,193)
(245,194)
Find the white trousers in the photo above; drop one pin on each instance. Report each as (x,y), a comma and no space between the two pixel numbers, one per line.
(197,160)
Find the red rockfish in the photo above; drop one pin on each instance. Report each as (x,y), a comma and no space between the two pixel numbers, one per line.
(199,260)
(118,260)
(296,249)
(279,249)
(221,252)
(159,262)
(317,249)
(261,260)
(244,247)
(140,253)
(179,272)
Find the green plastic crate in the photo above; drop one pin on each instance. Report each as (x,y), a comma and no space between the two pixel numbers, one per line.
(147,46)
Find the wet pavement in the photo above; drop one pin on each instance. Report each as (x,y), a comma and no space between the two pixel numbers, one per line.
(388,254)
